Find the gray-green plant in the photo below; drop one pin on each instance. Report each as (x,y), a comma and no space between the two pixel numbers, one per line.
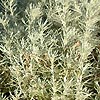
(46,52)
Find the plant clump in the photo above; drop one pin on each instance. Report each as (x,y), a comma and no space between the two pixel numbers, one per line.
(49,50)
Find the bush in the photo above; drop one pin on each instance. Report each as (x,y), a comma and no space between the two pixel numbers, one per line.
(50,50)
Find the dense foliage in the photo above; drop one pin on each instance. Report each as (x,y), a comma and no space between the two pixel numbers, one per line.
(49,50)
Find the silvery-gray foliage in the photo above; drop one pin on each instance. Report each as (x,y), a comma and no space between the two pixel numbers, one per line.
(50,50)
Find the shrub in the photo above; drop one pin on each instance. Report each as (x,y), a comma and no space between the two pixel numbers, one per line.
(51,52)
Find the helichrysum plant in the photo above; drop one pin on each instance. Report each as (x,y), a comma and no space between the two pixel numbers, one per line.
(49,50)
